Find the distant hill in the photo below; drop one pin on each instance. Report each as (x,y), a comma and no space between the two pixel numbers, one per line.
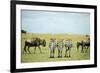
(23,31)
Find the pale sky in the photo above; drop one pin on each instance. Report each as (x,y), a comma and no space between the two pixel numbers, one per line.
(55,22)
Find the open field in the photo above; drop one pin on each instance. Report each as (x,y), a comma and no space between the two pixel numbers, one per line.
(44,57)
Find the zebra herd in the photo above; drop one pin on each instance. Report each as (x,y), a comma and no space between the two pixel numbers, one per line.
(59,44)
(67,44)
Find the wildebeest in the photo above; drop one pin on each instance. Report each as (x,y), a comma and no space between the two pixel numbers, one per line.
(84,44)
(68,46)
(36,42)
(52,46)
(60,46)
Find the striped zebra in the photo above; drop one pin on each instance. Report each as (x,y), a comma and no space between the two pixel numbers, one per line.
(68,46)
(60,46)
(52,46)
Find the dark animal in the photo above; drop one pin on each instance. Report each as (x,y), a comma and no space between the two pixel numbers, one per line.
(68,46)
(36,42)
(85,44)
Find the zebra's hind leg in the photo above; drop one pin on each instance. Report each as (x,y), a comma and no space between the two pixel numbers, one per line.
(61,53)
(69,52)
(58,53)
(51,53)
(66,53)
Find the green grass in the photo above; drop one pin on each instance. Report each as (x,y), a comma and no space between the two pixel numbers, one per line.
(44,57)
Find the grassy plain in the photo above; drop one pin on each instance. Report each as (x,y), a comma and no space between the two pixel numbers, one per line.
(44,57)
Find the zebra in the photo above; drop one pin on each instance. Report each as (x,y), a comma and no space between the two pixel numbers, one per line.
(60,46)
(52,46)
(68,46)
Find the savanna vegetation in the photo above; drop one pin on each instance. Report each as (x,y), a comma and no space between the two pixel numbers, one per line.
(45,55)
